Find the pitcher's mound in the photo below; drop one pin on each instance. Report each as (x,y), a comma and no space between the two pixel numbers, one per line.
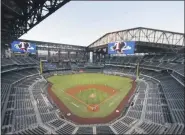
(92,95)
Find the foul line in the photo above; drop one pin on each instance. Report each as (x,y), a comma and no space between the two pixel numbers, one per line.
(77,99)
(66,98)
(74,104)
(87,104)
(56,89)
(111,104)
(107,98)
(114,101)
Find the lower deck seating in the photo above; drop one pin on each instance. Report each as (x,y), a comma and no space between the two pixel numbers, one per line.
(175,129)
(19,112)
(4,91)
(155,117)
(23,122)
(134,114)
(104,130)
(36,130)
(67,129)
(57,123)
(150,128)
(84,130)
(120,128)
(162,104)
(135,131)
(127,120)
(46,117)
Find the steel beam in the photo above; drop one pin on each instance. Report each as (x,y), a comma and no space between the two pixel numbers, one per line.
(141,34)
(24,15)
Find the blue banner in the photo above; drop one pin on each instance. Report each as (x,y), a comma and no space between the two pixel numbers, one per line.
(23,47)
(121,47)
(49,66)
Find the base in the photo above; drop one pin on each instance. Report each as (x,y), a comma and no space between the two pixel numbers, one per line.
(93,108)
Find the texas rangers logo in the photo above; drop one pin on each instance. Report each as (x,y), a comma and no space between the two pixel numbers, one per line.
(23,47)
(120,47)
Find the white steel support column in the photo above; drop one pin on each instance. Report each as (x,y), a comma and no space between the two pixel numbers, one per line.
(91,57)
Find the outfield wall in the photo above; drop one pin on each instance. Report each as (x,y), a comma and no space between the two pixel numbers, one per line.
(80,120)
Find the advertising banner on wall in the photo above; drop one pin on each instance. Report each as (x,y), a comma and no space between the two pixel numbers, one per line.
(49,66)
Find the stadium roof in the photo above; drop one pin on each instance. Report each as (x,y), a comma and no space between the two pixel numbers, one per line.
(19,16)
(141,34)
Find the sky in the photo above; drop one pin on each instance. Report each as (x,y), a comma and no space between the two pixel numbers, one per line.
(83,22)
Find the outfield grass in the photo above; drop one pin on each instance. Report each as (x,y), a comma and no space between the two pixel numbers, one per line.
(61,83)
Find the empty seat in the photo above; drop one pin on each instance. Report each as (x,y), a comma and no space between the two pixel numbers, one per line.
(67,129)
(104,130)
(84,130)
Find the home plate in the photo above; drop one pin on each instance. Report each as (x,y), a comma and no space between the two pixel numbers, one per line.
(117,111)
(68,114)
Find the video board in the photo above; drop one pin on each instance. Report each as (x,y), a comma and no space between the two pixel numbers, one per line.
(23,47)
(121,47)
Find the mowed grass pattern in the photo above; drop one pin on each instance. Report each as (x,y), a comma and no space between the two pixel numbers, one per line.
(63,82)
(86,96)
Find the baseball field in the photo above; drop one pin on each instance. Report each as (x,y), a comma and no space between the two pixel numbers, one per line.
(90,95)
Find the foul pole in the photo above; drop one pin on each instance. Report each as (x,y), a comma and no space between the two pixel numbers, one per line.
(41,67)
